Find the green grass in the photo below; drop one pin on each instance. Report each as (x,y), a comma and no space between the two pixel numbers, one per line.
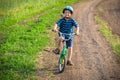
(21,42)
(114,40)
(22,10)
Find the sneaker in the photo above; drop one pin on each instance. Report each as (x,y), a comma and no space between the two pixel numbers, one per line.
(56,51)
(69,63)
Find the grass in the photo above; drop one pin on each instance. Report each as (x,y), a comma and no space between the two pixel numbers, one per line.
(113,39)
(21,42)
(21,10)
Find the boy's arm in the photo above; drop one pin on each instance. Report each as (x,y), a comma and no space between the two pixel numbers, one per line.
(55,28)
(76,25)
(77,30)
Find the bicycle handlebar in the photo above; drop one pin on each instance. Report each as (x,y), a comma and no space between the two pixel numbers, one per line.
(64,33)
(69,34)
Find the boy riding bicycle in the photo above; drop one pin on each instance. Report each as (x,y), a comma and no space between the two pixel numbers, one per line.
(66,25)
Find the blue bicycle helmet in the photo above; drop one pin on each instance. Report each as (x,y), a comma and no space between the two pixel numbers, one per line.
(68,8)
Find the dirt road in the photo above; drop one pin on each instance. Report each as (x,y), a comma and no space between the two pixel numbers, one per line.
(93,58)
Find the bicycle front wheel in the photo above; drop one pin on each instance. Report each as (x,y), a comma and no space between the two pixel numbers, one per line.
(61,64)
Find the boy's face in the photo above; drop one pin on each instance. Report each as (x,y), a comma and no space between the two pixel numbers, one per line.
(67,14)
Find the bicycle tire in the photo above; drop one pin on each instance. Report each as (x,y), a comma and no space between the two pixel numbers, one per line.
(62,64)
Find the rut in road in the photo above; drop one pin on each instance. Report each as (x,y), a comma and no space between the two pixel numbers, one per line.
(93,58)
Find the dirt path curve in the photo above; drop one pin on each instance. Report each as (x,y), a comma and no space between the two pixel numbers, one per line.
(92,56)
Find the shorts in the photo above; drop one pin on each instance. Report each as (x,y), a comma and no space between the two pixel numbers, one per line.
(69,43)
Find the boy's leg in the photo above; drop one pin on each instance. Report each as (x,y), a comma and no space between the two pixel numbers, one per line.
(69,61)
(70,51)
(60,42)
(59,45)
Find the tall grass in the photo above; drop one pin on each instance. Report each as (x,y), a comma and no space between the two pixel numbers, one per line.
(21,42)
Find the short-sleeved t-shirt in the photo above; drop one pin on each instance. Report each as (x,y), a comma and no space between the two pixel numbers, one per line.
(66,26)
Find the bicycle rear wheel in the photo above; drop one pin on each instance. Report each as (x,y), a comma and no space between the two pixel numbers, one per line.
(61,64)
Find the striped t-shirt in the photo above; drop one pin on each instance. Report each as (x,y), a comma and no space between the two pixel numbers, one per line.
(66,26)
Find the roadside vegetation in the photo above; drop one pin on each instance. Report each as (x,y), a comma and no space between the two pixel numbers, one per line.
(104,28)
(23,36)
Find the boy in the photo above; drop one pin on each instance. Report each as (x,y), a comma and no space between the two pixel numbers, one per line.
(66,25)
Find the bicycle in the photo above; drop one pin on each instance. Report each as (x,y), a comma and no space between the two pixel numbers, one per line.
(62,57)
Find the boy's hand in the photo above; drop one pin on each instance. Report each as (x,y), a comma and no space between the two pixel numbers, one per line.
(54,30)
(77,33)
